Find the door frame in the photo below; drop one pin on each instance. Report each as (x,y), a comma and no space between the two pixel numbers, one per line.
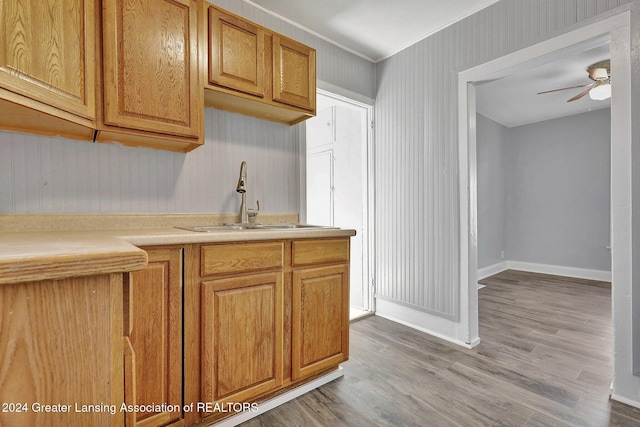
(617,26)
(368,184)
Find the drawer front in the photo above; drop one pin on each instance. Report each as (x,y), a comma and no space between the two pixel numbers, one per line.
(307,252)
(241,257)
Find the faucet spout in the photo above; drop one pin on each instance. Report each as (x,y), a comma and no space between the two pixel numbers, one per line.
(242,189)
(242,186)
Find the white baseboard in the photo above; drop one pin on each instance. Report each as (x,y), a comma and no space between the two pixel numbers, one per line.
(492,269)
(626,401)
(557,270)
(423,322)
(280,399)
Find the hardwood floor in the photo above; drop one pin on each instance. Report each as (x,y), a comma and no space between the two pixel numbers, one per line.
(544,360)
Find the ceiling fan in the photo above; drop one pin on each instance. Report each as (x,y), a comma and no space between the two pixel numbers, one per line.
(600,89)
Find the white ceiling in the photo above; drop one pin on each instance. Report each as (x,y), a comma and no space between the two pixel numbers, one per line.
(377,29)
(374,29)
(513,100)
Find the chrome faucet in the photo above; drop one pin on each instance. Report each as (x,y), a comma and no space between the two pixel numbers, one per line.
(242,189)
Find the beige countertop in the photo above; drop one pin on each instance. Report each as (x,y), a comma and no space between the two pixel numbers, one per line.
(59,252)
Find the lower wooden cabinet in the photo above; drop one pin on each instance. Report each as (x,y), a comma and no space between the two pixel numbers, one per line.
(61,345)
(242,337)
(320,319)
(261,317)
(213,328)
(153,339)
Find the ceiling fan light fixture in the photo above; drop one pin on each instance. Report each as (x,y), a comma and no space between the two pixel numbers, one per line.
(599,74)
(600,92)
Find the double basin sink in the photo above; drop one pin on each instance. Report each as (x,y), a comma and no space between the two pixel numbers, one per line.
(238,227)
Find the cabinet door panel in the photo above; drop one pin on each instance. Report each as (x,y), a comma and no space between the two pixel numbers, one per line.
(154,327)
(47,52)
(294,73)
(236,53)
(320,319)
(151,66)
(242,337)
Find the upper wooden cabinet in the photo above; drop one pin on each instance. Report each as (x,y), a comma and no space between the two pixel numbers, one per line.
(256,72)
(140,72)
(151,66)
(47,66)
(47,52)
(146,89)
(236,52)
(294,73)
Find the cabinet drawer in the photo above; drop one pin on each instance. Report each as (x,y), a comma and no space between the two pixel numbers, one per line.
(307,252)
(241,257)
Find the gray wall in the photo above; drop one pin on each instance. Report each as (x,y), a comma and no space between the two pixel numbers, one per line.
(492,140)
(558,175)
(56,175)
(555,206)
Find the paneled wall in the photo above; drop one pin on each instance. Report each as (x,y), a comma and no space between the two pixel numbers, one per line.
(416,149)
(56,175)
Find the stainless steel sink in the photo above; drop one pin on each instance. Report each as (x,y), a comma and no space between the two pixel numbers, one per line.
(212,228)
(291,226)
(237,227)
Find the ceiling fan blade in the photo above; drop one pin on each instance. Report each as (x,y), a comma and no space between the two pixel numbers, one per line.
(580,95)
(565,88)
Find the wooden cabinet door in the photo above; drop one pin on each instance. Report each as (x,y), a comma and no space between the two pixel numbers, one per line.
(242,337)
(294,73)
(320,319)
(61,344)
(151,66)
(153,342)
(47,52)
(236,53)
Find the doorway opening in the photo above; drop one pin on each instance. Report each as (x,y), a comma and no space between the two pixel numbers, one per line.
(543,170)
(338,183)
(618,30)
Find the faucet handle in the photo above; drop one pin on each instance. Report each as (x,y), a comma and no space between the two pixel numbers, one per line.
(254,212)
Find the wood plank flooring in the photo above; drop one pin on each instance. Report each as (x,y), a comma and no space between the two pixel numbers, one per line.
(544,360)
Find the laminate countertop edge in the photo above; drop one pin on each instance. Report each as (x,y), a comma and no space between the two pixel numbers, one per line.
(54,255)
